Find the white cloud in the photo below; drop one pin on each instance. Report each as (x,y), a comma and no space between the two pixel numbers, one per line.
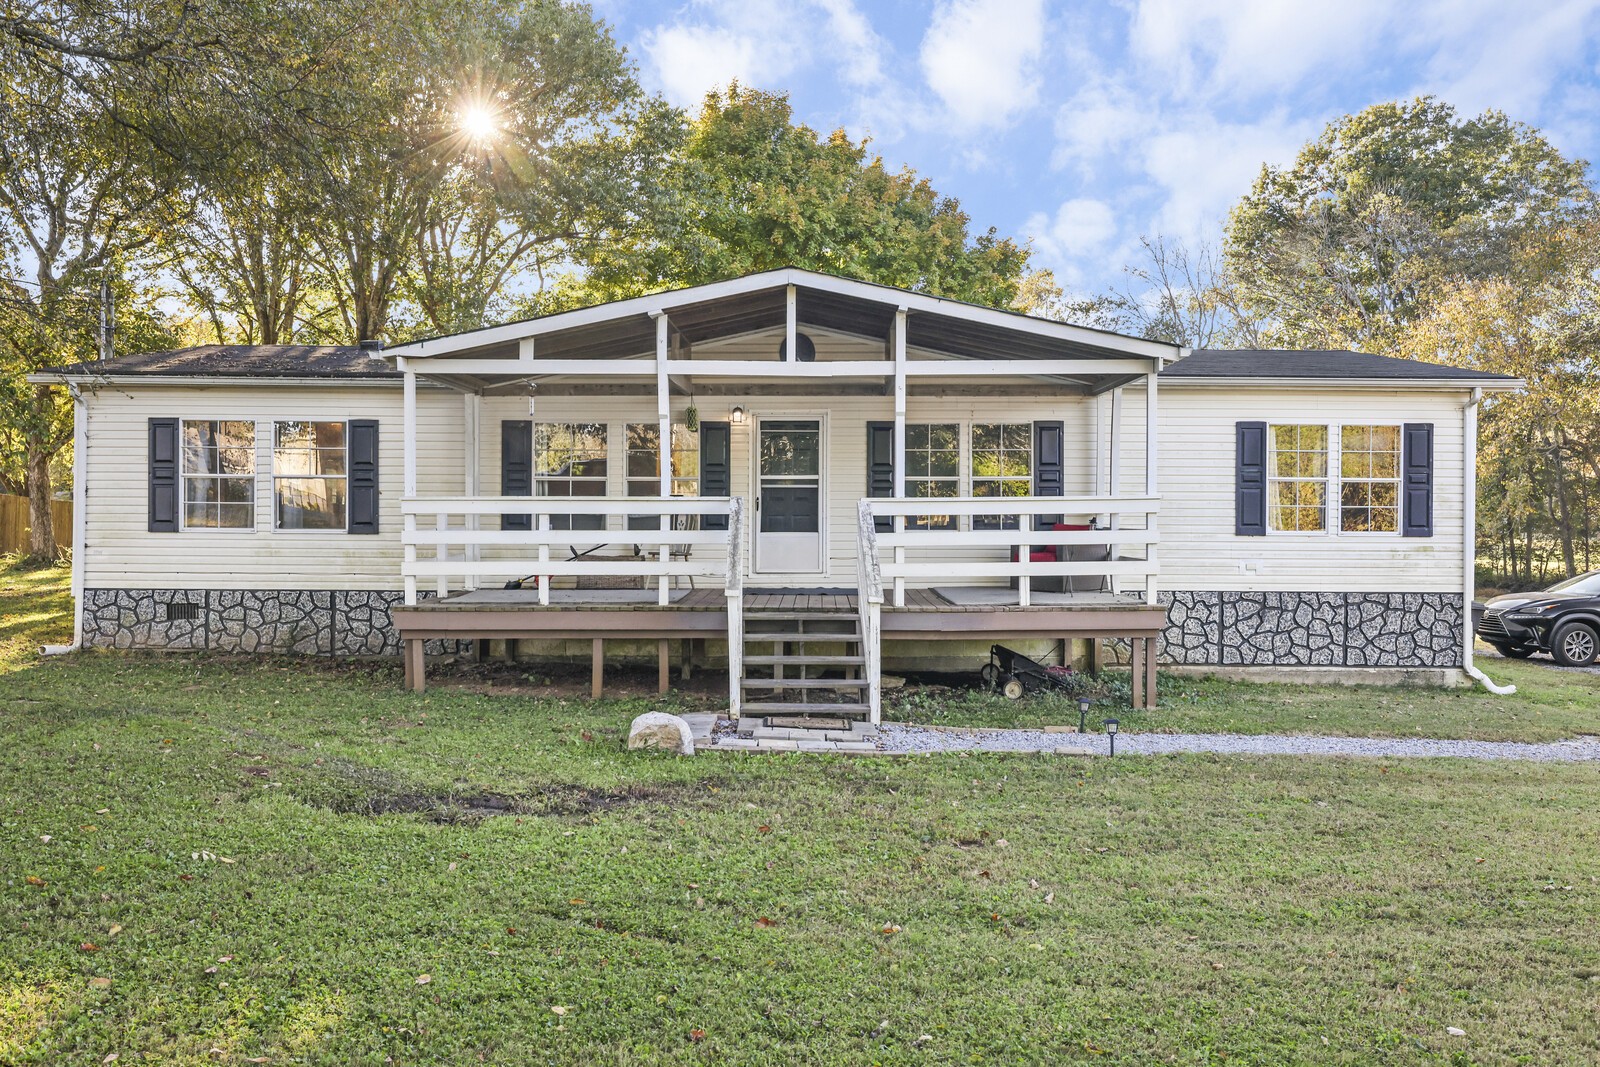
(981,57)
(1080,227)
(760,43)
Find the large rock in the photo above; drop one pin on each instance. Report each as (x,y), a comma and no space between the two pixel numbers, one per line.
(657,729)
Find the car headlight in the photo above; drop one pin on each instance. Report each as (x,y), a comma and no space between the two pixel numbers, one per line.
(1532,611)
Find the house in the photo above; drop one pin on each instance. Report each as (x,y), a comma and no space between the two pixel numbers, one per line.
(804,475)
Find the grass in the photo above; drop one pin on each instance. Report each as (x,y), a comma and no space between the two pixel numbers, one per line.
(256,858)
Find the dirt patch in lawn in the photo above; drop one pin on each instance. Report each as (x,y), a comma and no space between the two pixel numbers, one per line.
(352,789)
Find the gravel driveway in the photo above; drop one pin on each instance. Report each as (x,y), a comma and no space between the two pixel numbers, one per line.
(1540,659)
(899,738)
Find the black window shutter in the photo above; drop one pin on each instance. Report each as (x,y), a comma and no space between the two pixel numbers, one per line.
(1250,479)
(1049,466)
(716,468)
(362,443)
(516,468)
(164,476)
(880,466)
(1417,484)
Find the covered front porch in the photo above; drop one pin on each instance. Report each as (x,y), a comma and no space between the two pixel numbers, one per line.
(721,456)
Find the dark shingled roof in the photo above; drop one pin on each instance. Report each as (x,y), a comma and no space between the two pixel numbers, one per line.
(243,361)
(1335,365)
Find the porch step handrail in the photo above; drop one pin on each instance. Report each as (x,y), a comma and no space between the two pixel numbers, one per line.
(455,520)
(733,589)
(1131,524)
(869,602)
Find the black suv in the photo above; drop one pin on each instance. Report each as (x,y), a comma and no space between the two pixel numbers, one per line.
(1563,620)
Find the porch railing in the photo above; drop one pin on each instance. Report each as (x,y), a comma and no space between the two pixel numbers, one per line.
(869,602)
(1130,538)
(459,553)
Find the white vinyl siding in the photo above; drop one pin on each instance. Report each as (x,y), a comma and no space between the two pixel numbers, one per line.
(1198,547)
(121,553)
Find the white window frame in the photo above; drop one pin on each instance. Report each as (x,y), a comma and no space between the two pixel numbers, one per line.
(274,477)
(1332,495)
(655,427)
(1336,443)
(961,479)
(184,476)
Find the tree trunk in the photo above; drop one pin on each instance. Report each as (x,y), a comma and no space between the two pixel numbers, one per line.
(1563,516)
(42,527)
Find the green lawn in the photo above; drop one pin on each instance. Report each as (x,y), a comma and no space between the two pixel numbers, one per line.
(253,859)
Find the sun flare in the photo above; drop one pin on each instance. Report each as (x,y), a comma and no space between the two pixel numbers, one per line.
(478,122)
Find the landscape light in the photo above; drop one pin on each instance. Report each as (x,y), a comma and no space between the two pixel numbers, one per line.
(1111,733)
(1083,714)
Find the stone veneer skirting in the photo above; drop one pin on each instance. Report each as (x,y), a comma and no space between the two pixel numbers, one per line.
(1312,629)
(1203,627)
(307,622)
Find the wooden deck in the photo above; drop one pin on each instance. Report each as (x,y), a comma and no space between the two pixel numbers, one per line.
(698,614)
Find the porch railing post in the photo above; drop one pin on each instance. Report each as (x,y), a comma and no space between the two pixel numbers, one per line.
(734,591)
(409,428)
(869,603)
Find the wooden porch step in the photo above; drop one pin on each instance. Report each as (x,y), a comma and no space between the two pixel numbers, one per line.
(752,707)
(804,683)
(830,661)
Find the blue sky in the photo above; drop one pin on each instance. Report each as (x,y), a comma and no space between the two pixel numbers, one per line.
(1083,126)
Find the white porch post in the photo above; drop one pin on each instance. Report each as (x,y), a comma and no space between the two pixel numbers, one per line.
(410,426)
(471,415)
(1151,467)
(899,443)
(790,323)
(664,440)
(1114,469)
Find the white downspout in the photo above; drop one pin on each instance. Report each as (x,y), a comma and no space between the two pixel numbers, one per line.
(1469,542)
(80,496)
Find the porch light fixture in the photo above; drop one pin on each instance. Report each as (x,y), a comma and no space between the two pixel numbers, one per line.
(1083,714)
(1111,734)
(737,414)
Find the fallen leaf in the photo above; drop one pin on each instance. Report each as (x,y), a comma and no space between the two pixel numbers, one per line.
(88,946)
(1455,1031)
(46,838)
(34,879)
(1050,897)
(88,827)
(115,929)
(451,867)
(424,979)
(111,1057)
(1002,843)
(892,928)
(212,969)
(225,859)
(511,929)
(1033,883)
(259,1059)
(984,874)
(697,1035)
(765,922)
(224,959)
(102,811)
(762,829)
(100,983)
(1216,966)
(186,877)
(576,901)
(560,1009)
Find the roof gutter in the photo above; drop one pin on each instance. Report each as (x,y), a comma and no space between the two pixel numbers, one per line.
(1469,542)
(1475,384)
(214,381)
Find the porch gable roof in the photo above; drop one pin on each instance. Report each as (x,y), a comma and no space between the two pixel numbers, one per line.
(756,302)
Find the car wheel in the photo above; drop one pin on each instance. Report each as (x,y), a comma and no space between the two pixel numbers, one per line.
(1513,651)
(1574,644)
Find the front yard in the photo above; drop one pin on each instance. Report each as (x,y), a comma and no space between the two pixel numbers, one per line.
(241,861)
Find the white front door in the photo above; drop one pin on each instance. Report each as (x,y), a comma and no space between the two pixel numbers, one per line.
(789,505)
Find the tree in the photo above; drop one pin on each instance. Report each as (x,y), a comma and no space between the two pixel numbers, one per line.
(479,152)
(748,189)
(1385,210)
(75,190)
(1173,295)
(1540,450)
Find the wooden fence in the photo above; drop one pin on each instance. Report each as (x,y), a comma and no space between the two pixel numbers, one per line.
(14,523)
